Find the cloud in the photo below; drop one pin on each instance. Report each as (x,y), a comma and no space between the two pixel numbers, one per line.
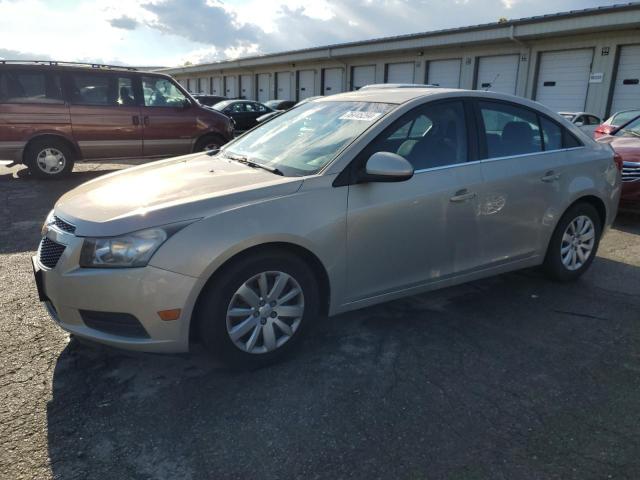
(8,54)
(199,21)
(124,22)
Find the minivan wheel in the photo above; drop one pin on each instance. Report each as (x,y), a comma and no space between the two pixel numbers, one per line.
(49,158)
(574,243)
(209,142)
(257,310)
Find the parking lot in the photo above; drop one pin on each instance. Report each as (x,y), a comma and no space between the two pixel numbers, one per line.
(510,377)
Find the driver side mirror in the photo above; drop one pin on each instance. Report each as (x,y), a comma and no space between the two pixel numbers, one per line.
(387,167)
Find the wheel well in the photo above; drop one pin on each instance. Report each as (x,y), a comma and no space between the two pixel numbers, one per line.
(596,203)
(307,256)
(205,135)
(50,136)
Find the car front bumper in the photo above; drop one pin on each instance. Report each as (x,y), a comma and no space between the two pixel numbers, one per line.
(103,305)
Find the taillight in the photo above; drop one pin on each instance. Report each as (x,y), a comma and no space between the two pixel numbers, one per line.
(618,160)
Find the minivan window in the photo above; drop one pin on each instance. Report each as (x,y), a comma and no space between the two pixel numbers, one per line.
(30,87)
(509,130)
(429,136)
(161,92)
(101,90)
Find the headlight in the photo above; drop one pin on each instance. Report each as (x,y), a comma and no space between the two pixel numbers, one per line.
(127,251)
(45,226)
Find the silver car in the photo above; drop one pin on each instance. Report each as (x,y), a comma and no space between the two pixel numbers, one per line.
(344,202)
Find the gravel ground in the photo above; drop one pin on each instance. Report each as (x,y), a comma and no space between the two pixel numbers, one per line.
(509,377)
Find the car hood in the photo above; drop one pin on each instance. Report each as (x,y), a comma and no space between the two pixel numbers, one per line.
(627,147)
(168,191)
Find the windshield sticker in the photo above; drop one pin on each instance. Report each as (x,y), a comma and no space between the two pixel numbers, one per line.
(363,116)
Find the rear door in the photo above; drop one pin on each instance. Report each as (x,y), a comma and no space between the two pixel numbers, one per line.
(407,234)
(525,180)
(105,116)
(169,118)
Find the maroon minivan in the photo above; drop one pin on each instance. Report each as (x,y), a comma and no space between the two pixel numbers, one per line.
(54,113)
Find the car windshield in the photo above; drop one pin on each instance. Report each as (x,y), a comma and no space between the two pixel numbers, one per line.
(623,117)
(632,129)
(305,139)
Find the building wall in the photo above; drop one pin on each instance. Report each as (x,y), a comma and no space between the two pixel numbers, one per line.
(605,45)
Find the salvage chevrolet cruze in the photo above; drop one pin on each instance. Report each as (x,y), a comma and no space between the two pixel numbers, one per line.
(341,203)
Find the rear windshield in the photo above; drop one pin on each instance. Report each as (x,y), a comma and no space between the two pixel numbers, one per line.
(28,86)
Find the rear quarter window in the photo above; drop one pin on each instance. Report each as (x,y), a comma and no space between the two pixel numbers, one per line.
(30,87)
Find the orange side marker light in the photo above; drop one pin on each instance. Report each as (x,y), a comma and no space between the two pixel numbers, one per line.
(168,315)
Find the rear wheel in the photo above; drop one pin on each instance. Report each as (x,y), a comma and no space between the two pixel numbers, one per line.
(209,142)
(258,309)
(574,243)
(49,158)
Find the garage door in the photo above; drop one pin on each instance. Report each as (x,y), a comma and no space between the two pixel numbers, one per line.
(563,79)
(264,93)
(626,92)
(498,74)
(307,84)
(216,86)
(246,87)
(231,86)
(362,75)
(332,81)
(444,73)
(400,72)
(283,82)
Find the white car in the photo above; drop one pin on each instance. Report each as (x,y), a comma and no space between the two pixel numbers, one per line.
(586,122)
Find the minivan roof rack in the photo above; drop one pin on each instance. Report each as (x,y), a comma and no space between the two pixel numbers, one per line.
(55,63)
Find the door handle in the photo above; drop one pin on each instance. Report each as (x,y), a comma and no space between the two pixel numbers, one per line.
(462,196)
(136,120)
(146,120)
(550,176)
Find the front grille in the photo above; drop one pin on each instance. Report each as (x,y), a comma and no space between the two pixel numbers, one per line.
(62,225)
(50,252)
(630,172)
(121,324)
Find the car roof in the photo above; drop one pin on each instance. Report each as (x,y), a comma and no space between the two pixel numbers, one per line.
(392,95)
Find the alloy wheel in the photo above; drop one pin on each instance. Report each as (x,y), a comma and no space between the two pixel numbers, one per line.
(577,243)
(265,312)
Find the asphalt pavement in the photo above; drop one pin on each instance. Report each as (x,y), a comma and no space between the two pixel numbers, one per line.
(512,377)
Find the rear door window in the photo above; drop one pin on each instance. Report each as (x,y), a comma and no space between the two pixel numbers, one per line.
(101,90)
(30,87)
(509,130)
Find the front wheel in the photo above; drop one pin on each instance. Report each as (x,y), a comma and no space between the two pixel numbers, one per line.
(209,142)
(574,243)
(258,309)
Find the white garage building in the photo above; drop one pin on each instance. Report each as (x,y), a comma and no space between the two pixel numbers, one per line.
(580,60)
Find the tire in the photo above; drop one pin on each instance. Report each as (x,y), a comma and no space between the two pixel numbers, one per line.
(557,264)
(251,348)
(209,142)
(49,158)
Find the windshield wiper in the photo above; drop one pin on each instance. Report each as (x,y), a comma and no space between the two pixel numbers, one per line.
(245,161)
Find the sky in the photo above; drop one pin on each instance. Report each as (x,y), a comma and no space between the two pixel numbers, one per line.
(174,32)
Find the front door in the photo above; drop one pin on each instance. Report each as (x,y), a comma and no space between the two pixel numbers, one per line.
(407,234)
(169,119)
(105,117)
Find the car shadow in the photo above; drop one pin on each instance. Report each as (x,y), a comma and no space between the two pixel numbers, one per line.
(464,382)
(628,222)
(26,201)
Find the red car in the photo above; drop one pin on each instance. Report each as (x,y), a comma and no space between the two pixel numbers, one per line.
(626,143)
(614,121)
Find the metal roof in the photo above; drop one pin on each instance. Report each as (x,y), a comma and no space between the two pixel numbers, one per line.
(413,36)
